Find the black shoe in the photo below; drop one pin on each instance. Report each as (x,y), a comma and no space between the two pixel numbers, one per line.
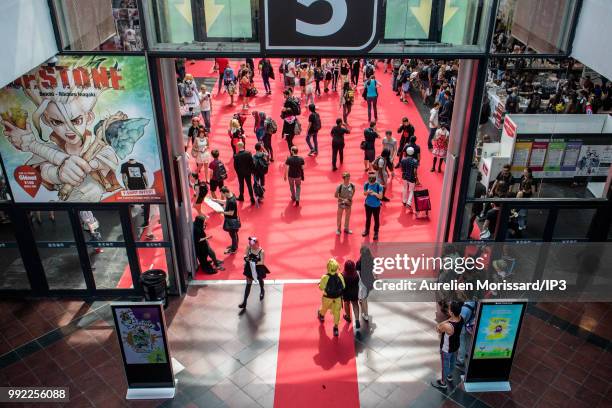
(335,331)
(375,237)
(357,324)
(347,318)
(365,233)
(262,294)
(241,198)
(242,305)
(297,203)
(334,168)
(432,170)
(252,201)
(439,385)
(321,318)
(385,199)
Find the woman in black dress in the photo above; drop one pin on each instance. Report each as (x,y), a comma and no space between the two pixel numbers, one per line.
(254,268)
(203,249)
(350,294)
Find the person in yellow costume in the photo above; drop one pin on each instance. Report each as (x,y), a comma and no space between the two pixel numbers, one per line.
(332,284)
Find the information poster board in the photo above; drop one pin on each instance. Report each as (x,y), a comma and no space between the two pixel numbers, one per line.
(554,156)
(141,331)
(493,349)
(520,158)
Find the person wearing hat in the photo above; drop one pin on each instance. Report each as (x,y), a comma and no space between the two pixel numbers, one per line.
(332,285)
(409,166)
(254,268)
(344,193)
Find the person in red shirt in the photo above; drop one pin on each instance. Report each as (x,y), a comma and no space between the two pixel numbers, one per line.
(221,64)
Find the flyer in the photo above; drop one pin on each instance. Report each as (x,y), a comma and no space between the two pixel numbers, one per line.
(81,130)
(554,157)
(570,158)
(520,158)
(140,329)
(538,155)
(497,331)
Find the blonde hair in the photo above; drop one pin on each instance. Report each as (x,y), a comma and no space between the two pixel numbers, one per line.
(234,124)
(332,266)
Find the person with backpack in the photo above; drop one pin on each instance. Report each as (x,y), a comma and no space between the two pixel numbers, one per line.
(373,193)
(371,94)
(468,313)
(243,164)
(337,134)
(218,173)
(368,146)
(314,125)
(344,194)
(347,100)
(267,72)
(270,128)
(332,285)
(294,173)
(450,333)
(368,70)
(260,169)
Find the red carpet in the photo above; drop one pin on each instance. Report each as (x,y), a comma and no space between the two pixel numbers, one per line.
(314,368)
(298,241)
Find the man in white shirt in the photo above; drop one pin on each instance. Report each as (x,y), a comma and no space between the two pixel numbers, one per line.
(433,123)
(289,74)
(205,106)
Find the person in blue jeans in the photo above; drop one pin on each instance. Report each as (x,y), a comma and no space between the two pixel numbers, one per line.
(373,193)
(371,87)
(450,334)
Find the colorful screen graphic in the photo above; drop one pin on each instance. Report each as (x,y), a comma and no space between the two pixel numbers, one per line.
(497,331)
(74,132)
(141,333)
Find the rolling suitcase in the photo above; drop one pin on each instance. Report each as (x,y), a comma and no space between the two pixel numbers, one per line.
(422,202)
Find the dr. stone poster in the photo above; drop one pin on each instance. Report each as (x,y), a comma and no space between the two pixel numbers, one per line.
(141,334)
(81,130)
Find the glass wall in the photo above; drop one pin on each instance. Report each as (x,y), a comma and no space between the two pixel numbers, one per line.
(105,25)
(533,26)
(13,275)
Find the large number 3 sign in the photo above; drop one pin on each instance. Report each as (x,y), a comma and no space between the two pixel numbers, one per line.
(316,26)
(335,23)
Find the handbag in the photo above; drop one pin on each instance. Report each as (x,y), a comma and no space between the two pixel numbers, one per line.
(363,145)
(231,224)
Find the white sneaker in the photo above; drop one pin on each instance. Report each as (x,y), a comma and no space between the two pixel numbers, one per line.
(337,232)
(365,317)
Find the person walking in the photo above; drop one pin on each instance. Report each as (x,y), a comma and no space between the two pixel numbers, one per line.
(409,165)
(290,122)
(406,131)
(350,296)
(373,193)
(450,332)
(347,99)
(366,280)
(203,249)
(193,131)
(220,65)
(433,123)
(314,125)
(344,194)
(218,173)
(205,106)
(332,285)
(369,146)
(254,269)
(200,152)
(390,143)
(261,163)
(294,172)
(231,221)
(371,91)
(267,72)
(243,164)
(337,134)
(440,147)
(229,81)
(381,166)
(270,128)
(355,70)
(259,121)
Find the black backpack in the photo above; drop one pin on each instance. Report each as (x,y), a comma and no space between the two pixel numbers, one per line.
(295,105)
(261,166)
(369,70)
(220,172)
(317,122)
(334,287)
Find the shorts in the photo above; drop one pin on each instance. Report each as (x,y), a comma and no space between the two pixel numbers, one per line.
(215,183)
(369,155)
(328,76)
(289,81)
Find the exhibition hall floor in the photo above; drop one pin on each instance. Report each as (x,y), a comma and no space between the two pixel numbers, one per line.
(299,240)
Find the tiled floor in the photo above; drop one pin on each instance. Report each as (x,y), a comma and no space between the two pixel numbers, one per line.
(231,359)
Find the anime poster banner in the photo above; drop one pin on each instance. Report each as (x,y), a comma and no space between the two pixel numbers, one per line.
(141,332)
(594,160)
(81,131)
(497,331)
